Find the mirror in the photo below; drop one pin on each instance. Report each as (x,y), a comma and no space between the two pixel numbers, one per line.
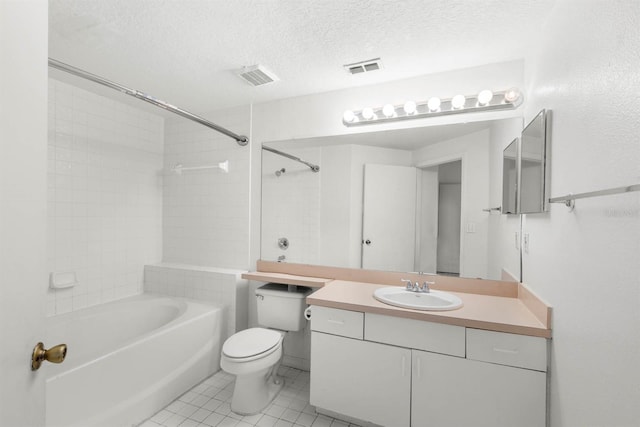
(533,185)
(510,178)
(403,200)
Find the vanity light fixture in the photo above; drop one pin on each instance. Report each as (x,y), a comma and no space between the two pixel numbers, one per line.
(458,101)
(433,104)
(389,110)
(368,113)
(410,108)
(485,97)
(486,100)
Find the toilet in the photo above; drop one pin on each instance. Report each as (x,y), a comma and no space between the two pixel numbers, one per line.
(254,355)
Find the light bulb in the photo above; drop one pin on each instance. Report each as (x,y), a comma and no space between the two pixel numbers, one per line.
(410,107)
(389,110)
(433,104)
(367,113)
(485,97)
(349,116)
(458,102)
(512,95)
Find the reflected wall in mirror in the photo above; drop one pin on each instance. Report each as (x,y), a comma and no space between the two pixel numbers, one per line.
(534,182)
(400,200)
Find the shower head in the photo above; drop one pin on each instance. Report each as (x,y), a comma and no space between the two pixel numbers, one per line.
(280,171)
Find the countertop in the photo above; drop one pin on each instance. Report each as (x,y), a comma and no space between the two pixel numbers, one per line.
(489,312)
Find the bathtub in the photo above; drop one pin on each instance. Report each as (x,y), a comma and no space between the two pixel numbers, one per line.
(129,358)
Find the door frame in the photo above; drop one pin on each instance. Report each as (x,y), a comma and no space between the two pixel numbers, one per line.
(462,157)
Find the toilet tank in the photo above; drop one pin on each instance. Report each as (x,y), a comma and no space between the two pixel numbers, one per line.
(281,306)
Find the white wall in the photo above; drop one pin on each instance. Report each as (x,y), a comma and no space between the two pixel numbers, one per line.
(586,264)
(23,149)
(104,196)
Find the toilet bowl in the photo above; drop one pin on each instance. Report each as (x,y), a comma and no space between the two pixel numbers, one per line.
(254,355)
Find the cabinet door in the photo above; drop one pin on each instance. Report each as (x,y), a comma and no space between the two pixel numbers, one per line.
(361,379)
(450,391)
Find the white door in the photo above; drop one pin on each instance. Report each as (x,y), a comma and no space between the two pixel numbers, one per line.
(23,147)
(449,205)
(389,217)
(361,379)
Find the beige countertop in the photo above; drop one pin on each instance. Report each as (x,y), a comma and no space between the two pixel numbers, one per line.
(490,312)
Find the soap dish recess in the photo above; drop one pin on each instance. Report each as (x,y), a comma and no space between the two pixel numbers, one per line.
(62,279)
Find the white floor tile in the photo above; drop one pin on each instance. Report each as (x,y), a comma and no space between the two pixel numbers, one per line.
(213,419)
(208,404)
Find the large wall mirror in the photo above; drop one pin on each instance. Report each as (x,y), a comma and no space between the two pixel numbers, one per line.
(402,200)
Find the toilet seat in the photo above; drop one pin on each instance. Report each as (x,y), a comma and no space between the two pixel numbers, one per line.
(251,344)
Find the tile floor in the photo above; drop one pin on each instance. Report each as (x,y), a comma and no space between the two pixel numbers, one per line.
(209,404)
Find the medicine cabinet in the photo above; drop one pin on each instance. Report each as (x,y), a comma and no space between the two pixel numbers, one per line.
(525,174)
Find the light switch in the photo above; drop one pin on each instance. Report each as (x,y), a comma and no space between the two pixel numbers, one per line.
(471,227)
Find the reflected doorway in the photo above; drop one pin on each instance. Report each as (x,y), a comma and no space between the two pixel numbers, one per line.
(440,232)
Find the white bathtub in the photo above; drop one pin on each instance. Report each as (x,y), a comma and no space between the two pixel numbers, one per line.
(129,358)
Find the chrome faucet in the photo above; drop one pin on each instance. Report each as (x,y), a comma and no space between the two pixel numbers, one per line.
(415,287)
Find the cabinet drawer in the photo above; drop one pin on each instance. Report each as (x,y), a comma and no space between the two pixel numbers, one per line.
(337,322)
(428,336)
(507,349)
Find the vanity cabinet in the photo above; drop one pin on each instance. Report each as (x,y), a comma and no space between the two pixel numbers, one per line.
(399,372)
(361,379)
(455,392)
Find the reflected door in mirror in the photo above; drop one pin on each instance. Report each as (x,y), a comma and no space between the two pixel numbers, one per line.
(389,217)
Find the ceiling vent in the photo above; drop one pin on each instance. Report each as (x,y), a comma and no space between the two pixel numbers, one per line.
(257,75)
(364,66)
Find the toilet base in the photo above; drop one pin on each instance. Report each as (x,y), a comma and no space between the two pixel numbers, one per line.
(253,393)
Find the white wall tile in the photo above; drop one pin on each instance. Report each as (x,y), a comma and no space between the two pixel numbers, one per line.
(207,212)
(105,195)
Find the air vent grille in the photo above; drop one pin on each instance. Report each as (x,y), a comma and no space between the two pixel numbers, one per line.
(364,66)
(257,75)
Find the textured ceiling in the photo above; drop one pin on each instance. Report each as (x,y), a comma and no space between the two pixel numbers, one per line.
(187,52)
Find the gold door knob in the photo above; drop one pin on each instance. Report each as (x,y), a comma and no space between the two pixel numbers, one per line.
(54,355)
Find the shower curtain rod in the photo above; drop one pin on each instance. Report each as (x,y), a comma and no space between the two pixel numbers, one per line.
(240,139)
(314,168)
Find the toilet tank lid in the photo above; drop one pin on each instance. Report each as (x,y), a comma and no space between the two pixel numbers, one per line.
(284,291)
(251,342)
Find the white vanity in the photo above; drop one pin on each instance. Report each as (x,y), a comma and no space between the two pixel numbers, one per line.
(398,372)
(482,365)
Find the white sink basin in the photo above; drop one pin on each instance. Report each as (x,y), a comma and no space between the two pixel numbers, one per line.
(431,301)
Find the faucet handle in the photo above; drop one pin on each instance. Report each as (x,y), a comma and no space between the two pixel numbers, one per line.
(410,285)
(426,286)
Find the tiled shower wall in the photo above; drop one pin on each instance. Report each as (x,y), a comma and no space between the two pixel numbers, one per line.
(207,212)
(291,207)
(104,195)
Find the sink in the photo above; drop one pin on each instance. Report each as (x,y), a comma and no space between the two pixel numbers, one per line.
(431,301)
